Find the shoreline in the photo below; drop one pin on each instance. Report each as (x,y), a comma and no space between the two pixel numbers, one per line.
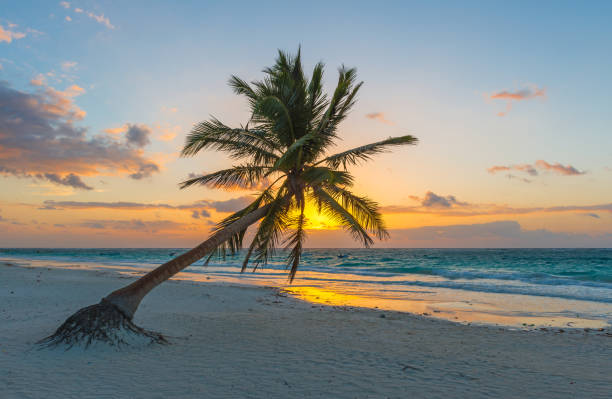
(244,341)
(511,311)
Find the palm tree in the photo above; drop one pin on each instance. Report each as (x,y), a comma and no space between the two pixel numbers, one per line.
(285,143)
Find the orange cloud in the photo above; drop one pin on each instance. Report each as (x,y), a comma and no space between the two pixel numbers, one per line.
(524,94)
(168,133)
(532,170)
(568,170)
(39,80)
(380,117)
(171,110)
(116,130)
(68,65)
(221,206)
(497,168)
(101,19)
(519,95)
(7,35)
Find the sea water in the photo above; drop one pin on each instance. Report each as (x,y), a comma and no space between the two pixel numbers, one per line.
(517,287)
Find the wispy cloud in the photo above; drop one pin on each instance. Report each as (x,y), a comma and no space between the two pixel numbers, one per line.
(168,132)
(70,180)
(39,80)
(202,206)
(8,35)
(172,110)
(519,95)
(99,18)
(510,176)
(133,224)
(527,93)
(117,130)
(380,117)
(262,184)
(534,169)
(433,200)
(565,170)
(69,65)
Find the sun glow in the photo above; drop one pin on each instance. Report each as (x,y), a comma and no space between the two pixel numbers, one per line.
(317,220)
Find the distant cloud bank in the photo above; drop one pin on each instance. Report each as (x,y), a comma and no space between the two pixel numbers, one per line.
(449,205)
(498,234)
(202,206)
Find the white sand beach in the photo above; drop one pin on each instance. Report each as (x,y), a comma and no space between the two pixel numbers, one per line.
(231,341)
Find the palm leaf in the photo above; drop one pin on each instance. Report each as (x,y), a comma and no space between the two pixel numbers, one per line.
(333,210)
(238,143)
(363,209)
(296,242)
(241,176)
(365,152)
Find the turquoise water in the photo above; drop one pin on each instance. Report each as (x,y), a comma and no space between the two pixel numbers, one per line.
(573,275)
(579,273)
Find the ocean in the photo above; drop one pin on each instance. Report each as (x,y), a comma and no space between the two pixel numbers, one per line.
(523,288)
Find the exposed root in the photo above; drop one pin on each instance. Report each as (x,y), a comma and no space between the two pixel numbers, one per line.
(100,323)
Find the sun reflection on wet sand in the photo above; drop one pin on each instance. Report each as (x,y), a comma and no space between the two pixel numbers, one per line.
(466,312)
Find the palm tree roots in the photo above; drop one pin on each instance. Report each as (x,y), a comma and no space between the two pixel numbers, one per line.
(100,323)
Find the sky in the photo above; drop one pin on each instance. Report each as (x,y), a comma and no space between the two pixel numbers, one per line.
(510,101)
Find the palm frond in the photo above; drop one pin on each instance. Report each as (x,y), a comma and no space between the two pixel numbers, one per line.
(317,175)
(241,176)
(234,244)
(292,126)
(333,210)
(363,209)
(271,112)
(291,154)
(270,230)
(344,88)
(365,152)
(295,241)
(241,87)
(317,100)
(242,143)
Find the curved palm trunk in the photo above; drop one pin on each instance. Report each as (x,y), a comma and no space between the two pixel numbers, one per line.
(128,298)
(111,319)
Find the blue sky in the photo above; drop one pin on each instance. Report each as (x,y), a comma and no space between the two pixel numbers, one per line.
(443,71)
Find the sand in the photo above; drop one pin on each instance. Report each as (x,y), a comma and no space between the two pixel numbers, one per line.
(250,342)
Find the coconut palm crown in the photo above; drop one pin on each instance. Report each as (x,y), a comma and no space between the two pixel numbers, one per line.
(285,145)
(283,148)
